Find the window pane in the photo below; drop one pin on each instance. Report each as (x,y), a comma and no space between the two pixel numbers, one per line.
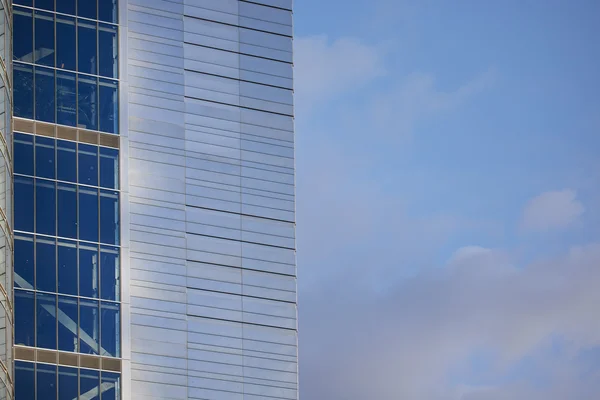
(109,168)
(24,262)
(66,99)
(45,265)
(45,4)
(44,39)
(24,2)
(46,321)
(88,164)
(65,6)
(22,35)
(45,207)
(44,94)
(87,8)
(67,267)
(111,384)
(108,50)
(111,329)
(66,160)
(87,103)
(67,324)
(88,271)
(110,285)
(65,42)
(88,214)
(67,383)
(44,157)
(24,380)
(87,40)
(108,10)
(46,379)
(23,90)
(67,210)
(23,154)
(109,217)
(23,203)
(109,106)
(88,328)
(24,318)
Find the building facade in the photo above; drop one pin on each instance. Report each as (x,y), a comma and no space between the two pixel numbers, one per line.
(147,200)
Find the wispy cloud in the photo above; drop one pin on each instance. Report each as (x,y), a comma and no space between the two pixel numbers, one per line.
(552,210)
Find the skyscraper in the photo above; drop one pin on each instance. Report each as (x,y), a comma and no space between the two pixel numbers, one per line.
(152,221)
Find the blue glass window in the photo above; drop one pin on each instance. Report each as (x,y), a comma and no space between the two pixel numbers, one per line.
(23,154)
(87,41)
(88,271)
(24,380)
(87,8)
(24,261)
(109,217)
(67,324)
(45,4)
(45,207)
(24,2)
(66,154)
(87,102)
(66,99)
(111,331)
(111,382)
(24,318)
(65,6)
(88,164)
(46,320)
(44,39)
(22,35)
(108,10)
(67,267)
(108,48)
(67,383)
(89,333)
(109,168)
(45,265)
(65,43)
(44,157)
(67,210)
(46,381)
(110,284)
(44,94)
(23,90)
(88,214)
(23,203)
(109,106)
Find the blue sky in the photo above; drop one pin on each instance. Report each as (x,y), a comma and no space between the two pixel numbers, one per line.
(447,197)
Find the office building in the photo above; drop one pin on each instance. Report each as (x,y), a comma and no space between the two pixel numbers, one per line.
(147,200)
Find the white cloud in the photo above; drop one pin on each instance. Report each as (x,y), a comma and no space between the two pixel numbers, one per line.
(552,210)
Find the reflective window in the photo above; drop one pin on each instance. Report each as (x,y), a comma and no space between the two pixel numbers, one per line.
(67,383)
(46,378)
(88,271)
(44,94)
(45,207)
(110,276)
(68,322)
(23,154)
(23,206)
(22,35)
(66,154)
(109,168)
(24,318)
(44,157)
(111,331)
(65,42)
(87,103)
(67,267)
(87,8)
(86,47)
(66,99)
(109,106)
(88,214)
(88,327)
(88,164)
(45,264)
(109,217)
(24,380)
(108,10)
(46,320)
(65,6)
(108,50)
(111,384)
(46,4)
(24,2)
(67,210)
(23,90)
(24,261)
(44,39)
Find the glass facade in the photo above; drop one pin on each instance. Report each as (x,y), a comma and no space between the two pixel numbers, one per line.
(66,244)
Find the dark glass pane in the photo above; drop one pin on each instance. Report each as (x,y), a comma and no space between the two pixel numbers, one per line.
(46,321)
(67,210)
(110,284)
(45,265)
(44,157)
(24,262)
(109,217)
(46,381)
(88,271)
(67,267)
(24,2)
(23,154)
(88,328)
(22,35)
(109,106)
(44,39)
(44,94)
(108,10)
(66,99)
(87,8)
(45,207)
(87,103)
(86,44)
(67,383)
(66,44)
(24,380)
(45,4)
(108,49)
(88,214)
(109,168)
(67,324)
(23,90)
(24,318)
(111,383)
(65,6)
(66,154)
(88,164)
(111,329)
(23,203)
